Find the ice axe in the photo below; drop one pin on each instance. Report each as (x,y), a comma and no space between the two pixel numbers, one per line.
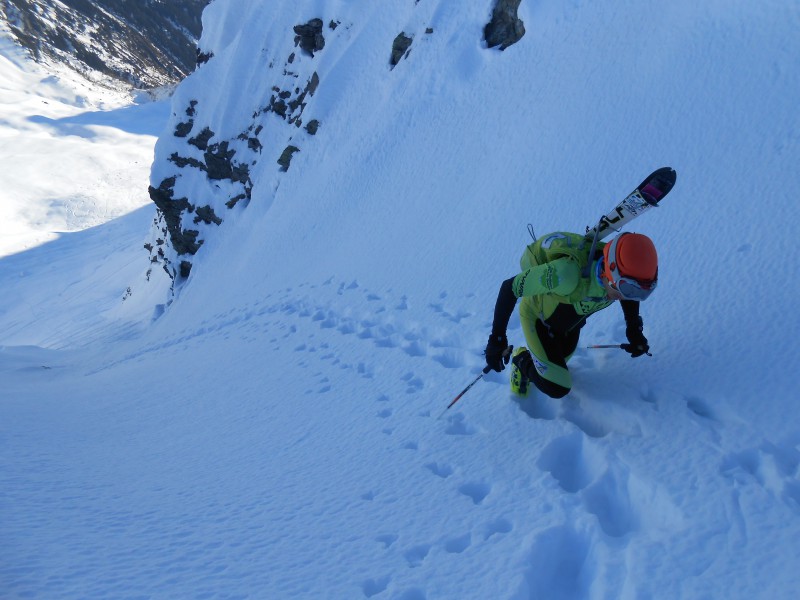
(620,346)
(486,369)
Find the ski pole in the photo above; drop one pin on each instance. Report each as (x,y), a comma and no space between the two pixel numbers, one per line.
(485,371)
(611,346)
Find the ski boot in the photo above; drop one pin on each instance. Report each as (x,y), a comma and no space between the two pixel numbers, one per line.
(519,383)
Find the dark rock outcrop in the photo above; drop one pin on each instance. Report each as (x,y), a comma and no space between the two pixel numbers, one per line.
(505,28)
(286,157)
(206,214)
(183,129)
(290,104)
(312,127)
(217,171)
(400,48)
(219,163)
(309,36)
(203,57)
(200,141)
(184,241)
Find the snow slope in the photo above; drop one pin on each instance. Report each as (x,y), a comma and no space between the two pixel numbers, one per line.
(273,432)
(73,155)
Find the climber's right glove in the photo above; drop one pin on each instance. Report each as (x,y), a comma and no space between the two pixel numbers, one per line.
(497,356)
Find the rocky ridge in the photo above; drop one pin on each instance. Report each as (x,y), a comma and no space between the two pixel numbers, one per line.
(219,166)
(144,44)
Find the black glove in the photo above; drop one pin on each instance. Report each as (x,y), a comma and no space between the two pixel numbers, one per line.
(637,344)
(496,355)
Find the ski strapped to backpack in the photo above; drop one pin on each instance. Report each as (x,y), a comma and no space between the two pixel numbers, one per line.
(647,195)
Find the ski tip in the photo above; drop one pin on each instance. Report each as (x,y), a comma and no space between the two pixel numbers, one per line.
(657,185)
(664,174)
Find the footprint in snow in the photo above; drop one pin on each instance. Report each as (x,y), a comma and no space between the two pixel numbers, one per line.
(343,287)
(558,562)
(701,408)
(387,539)
(415,348)
(456,426)
(477,492)
(569,463)
(445,314)
(609,500)
(496,527)
(587,423)
(346,328)
(416,555)
(706,416)
(329,322)
(415,384)
(366,371)
(451,358)
(387,341)
(373,587)
(459,544)
(772,467)
(537,406)
(649,396)
(440,470)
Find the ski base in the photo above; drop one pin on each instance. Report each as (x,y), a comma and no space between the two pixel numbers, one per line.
(647,195)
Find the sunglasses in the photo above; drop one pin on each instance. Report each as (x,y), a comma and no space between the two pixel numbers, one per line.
(628,287)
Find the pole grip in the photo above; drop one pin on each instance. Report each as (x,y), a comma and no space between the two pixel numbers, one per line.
(506,352)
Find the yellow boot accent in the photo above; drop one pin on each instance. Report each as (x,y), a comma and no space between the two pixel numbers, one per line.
(519,383)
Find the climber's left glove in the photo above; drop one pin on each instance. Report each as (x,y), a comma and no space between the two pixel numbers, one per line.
(637,344)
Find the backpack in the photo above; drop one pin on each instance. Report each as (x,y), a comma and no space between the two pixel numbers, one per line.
(557,245)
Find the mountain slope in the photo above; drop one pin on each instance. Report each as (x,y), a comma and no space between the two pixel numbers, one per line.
(144,44)
(73,153)
(272,432)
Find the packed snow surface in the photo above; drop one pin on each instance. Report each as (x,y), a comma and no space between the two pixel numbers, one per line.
(270,429)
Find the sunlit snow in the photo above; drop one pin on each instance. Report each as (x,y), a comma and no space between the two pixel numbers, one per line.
(273,432)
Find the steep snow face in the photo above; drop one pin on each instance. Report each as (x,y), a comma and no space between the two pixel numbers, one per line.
(480,142)
(75,160)
(273,432)
(302,75)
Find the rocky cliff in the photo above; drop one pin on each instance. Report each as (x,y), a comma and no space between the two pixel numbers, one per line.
(280,72)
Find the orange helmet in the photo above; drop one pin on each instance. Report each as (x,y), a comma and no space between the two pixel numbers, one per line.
(631,265)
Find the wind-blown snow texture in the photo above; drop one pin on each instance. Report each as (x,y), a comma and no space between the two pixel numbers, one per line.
(272,433)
